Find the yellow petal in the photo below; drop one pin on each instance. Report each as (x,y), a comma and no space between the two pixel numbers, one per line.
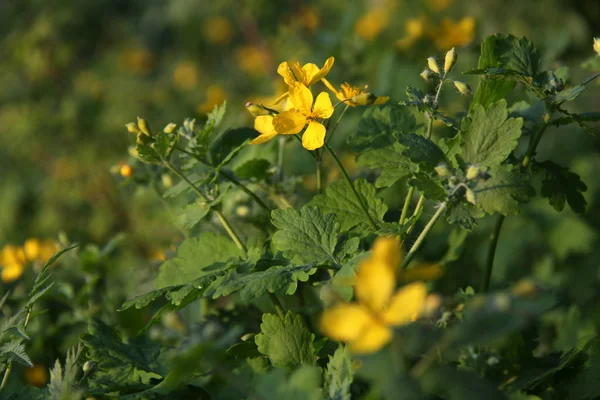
(12,272)
(281,98)
(314,136)
(345,322)
(406,305)
(32,249)
(12,254)
(264,125)
(330,86)
(301,98)
(381,100)
(374,338)
(375,282)
(423,272)
(289,122)
(286,72)
(322,72)
(310,71)
(323,107)
(387,250)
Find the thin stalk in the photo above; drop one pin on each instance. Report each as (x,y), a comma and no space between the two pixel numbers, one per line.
(535,140)
(491,254)
(407,200)
(277,304)
(356,194)
(231,179)
(319,174)
(418,209)
(218,213)
(10,364)
(337,122)
(421,238)
(280,158)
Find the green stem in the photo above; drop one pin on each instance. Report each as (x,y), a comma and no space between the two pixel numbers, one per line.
(590,79)
(418,209)
(535,140)
(407,200)
(277,304)
(280,158)
(218,213)
(337,122)
(231,179)
(491,254)
(419,241)
(356,194)
(319,174)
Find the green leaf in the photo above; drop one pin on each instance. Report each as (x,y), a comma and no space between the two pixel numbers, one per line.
(390,160)
(577,118)
(147,153)
(286,341)
(339,375)
(569,94)
(15,351)
(378,126)
(307,236)
(561,186)
(340,200)
(253,169)
(228,143)
(303,384)
(164,144)
(586,384)
(195,256)
(188,216)
(421,150)
(571,235)
(487,137)
(503,191)
(429,186)
(282,280)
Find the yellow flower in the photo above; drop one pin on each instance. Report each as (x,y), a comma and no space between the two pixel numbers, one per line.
(308,74)
(12,261)
(252,60)
(305,113)
(454,33)
(185,75)
(372,23)
(309,18)
(415,30)
(353,95)
(366,325)
(218,30)
(264,125)
(438,5)
(138,61)
(215,94)
(37,375)
(597,45)
(39,251)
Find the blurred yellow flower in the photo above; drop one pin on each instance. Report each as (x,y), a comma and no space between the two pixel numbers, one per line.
(366,325)
(185,75)
(87,83)
(353,95)
(215,94)
(372,23)
(597,45)
(305,113)
(12,261)
(138,61)
(454,33)
(37,375)
(415,29)
(37,250)
(218,30)
(438,5)
(252,60)
(309,18)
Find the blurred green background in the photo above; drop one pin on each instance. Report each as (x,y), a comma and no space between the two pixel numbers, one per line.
(73,72)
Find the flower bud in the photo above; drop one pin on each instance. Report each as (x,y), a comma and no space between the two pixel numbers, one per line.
(88,366)
(126,171)
(170,128)
(132,128)
(142,138)
(450,60)
(463,88)
(131,150)
(470,196)
(166,180)
(426,74)
(433,65)
(257,110)
(442,170)
(597,45)
(364,99)
(472,172)
(143,125)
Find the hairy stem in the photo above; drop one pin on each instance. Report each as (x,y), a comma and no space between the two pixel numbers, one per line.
(337,123)
(356,194)
(421,238)
(407,200)
(418,209)
(218,213)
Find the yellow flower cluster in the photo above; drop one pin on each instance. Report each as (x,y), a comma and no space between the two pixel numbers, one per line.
(449,33)
(14,259)
(302,109)
(366,325)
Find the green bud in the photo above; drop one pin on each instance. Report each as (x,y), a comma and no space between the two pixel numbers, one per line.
(258,110)
(462,88)
(132,128)
(472,172)
(364,99)
(142,138)
(442,170)
(426,74)
(470,196)
(143,125)
(170,128)
(450,60)
(88,366)
(433,65)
